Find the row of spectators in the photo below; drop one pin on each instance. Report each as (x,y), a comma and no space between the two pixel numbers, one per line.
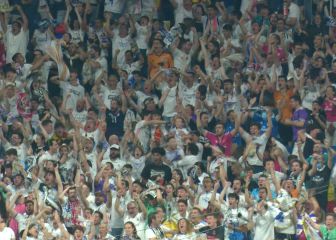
(167,119)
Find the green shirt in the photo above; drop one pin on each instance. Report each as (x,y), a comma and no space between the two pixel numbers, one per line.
(326,234)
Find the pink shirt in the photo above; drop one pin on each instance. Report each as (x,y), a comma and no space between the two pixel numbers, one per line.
(330,110)
(280,52)
(225,141)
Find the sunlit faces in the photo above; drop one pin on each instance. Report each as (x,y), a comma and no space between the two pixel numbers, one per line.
(330,221)
(330,92)
(129,229)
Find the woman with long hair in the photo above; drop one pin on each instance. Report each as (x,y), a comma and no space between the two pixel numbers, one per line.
(184,230)
(130,232)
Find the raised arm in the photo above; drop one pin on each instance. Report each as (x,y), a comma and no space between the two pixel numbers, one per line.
(59,185)
(237,125)
(3,21)
(204,52)
(269,123)
(117,206)
(24,18)
(331,154)
(141,206)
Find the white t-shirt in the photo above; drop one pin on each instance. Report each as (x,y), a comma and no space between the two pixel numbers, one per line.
(76,35)
(181,59)
(181,12)
(188,95)
(204,199)
(294,12)
(260,141)
(7,234)
(122,44)
(137,165)
(114,6)
(21,151)
(143,96)
(141,37)
(15,43)
(186,163)
(76,93)
(308,96)
(80,116)
(42,39)
(117,163)
(139,222)
(154,233)
(55,232)
(116,220)
(181,236)
(233,216)
(109,94)
(264,226)
(22,220)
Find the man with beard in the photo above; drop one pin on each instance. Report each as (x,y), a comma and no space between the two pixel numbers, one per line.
(71,208)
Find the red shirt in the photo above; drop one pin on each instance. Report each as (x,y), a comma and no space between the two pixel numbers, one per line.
(225,140)
(330,110)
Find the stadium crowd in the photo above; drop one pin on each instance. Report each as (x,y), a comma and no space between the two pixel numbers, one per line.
(167,119)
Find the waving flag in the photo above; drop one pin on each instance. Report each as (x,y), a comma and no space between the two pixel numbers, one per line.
(310,232)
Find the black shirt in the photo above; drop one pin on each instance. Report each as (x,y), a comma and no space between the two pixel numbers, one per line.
(216,233)
(153,171)
(115,123)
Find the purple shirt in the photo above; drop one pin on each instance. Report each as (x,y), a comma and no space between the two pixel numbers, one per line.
(299,114)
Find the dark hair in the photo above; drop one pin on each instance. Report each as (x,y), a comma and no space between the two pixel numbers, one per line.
(78,227)
(96,48)
(46,122)
(50,172)
(233,195)
(297,161)
(197,209)
(159,150)
(296,98)
(145,112)
(179,172)
(11,151)
(331,215)
(15,56)
(267,160)
(135,234)
(151,217)
(99,213)
(19,134)
(92,109)
(58,125)
(264,189)
(193,148)
(185,202)
(256,124)
(138,182)
(228,27)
